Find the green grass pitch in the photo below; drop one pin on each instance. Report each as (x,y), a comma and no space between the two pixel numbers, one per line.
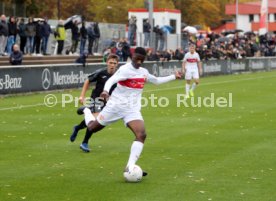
(191,153)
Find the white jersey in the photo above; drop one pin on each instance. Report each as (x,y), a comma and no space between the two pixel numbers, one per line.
(130,83)
(191,60)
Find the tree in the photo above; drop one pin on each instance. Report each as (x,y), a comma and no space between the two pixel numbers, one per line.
(194,12)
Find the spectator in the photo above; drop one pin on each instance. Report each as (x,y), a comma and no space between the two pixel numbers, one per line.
(12,34)
(151,56)
(60,35)
(83,36)
(22,35)
(158,34)
(97,36)
(146,30)
(126,49)
(45,33)
(38,37)
(185,41)
(4,32)
(179,54)
(119,52)
(30,33)
(82,59)
(106,53)
(132,27)
(16,55)
(91,38)
(75,37)
(163,38)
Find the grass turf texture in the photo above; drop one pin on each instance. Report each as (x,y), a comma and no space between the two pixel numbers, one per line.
(191,154)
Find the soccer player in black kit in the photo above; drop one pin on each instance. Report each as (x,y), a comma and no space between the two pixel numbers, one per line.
(100,77)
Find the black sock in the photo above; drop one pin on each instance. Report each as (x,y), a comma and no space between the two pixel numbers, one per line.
(82,125)
(87,136)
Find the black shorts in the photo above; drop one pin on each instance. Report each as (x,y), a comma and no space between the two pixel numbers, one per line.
(97,107)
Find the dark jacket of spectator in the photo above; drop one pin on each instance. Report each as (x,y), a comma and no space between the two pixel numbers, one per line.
(30,29)
(16,57)
(97,30)
(12,28)
(22,29)
(146,27)
(45,29)
(75,32)
(83,32)
(82,59)
(39,30)
(4,30)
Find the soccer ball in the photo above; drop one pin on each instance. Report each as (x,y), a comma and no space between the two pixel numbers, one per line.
(133,174)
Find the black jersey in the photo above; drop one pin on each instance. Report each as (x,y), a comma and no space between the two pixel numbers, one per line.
(100,77)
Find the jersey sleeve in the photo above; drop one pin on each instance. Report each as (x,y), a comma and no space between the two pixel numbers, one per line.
(185,57)
(159,80)
(119,75)
(93,77)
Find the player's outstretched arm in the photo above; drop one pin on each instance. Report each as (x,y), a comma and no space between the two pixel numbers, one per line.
(161,80)
(83,92)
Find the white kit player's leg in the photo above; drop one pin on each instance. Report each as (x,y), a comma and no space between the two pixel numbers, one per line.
(88,116)
(188,77)
(195,76)
(135,152)
(193,86)
(187,89)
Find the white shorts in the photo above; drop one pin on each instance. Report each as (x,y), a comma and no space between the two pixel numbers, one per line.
(110,115)
(191,74)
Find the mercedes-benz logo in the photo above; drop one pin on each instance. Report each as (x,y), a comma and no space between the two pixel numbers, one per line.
(46,78)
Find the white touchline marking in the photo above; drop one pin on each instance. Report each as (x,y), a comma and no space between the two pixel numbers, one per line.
(211,83)
(146,91)
(24,106)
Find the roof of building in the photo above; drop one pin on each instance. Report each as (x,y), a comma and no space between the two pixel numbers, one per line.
(143,10)
(250,8)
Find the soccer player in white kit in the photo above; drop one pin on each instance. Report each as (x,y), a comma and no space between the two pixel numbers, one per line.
(125,101)
(191,67)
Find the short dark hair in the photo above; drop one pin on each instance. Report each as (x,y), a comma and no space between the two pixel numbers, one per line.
(112,56)
(140,50)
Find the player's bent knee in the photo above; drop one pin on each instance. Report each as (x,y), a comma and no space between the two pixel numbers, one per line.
(141,136)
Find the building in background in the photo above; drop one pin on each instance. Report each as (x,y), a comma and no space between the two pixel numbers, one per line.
(248,16)
(161,17)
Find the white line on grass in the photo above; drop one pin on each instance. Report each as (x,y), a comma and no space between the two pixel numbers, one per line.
(211,83)
(146,91)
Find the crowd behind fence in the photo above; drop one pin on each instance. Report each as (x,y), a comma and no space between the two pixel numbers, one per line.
(113,38)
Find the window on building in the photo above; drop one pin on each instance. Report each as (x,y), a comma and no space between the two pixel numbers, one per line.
(173,25)
(251,18)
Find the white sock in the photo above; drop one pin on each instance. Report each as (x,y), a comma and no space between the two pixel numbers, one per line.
(187,89)
(193,86)
(88,116)
(135,152)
